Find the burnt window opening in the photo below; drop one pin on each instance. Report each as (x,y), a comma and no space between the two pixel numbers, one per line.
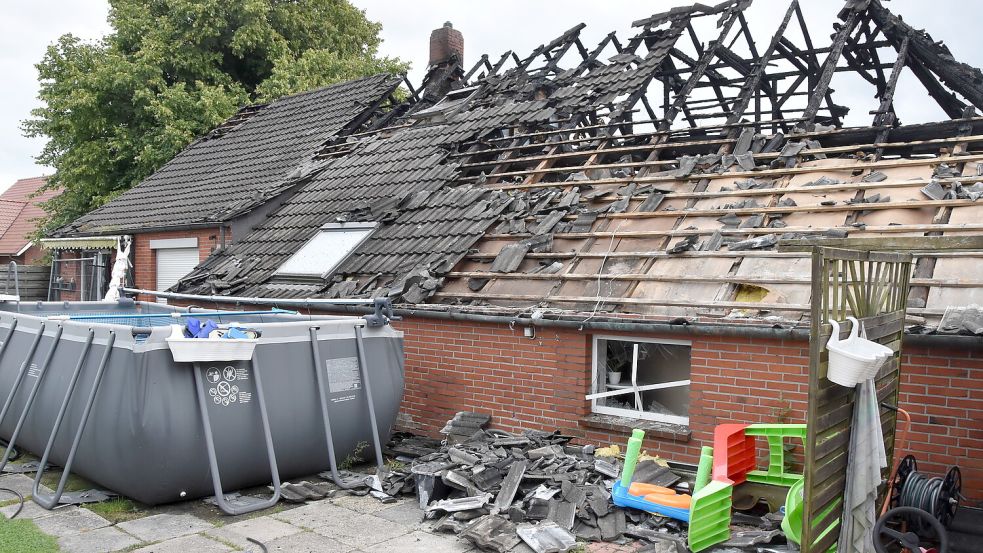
(641,378)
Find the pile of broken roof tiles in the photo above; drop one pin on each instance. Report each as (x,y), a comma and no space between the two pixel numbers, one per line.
(496,490)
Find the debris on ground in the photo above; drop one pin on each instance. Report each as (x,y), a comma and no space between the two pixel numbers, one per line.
(496,489)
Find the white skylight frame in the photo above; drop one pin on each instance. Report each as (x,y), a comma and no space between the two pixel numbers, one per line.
(326,250)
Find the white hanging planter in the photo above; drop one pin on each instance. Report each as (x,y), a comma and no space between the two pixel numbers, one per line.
(189,350)
(855,359)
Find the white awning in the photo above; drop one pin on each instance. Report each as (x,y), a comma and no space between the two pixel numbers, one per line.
(81,243)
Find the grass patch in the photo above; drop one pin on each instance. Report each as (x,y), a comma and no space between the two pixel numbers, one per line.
(73,484)
(14,501)
(394,464)
(117,509)
(23,536)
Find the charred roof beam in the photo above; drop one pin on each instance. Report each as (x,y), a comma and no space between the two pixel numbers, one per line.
(653,58)
(753,82)
(961,78)
(483,62)
(714,77)
(795,56)
(555,49)
(747,35)
(885,116)
(855,53)
(875,58)
(679,105)
(829,67)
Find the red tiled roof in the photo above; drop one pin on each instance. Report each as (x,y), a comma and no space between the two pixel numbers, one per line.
(18,211)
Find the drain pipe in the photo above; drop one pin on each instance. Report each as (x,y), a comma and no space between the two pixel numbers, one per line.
(365,306)
(685,329)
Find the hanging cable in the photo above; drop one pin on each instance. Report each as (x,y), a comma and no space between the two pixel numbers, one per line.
(20,497)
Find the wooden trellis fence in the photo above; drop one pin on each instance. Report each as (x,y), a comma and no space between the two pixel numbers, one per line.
(873,287)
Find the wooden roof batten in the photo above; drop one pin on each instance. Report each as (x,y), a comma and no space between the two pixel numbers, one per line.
(609,156)
(648,176)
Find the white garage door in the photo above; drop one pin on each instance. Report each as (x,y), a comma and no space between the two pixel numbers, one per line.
(174,263)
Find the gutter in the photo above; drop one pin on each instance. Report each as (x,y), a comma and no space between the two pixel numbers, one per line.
(137,230)
(365,306)
(691,330)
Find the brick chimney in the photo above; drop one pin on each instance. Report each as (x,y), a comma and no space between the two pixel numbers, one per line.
(444,43)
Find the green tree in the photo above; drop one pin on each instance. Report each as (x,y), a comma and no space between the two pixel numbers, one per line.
(116,110)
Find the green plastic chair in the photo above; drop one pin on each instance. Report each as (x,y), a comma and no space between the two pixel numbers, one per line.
(775,434)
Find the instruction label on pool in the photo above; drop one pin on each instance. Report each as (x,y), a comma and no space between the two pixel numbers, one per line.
(343,376)
(223,385)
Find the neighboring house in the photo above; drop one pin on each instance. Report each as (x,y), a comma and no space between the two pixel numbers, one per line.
(216,189)
(541,222)
(20,209)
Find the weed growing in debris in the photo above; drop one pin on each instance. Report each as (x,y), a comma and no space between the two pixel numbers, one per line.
(355,457)
(394,464)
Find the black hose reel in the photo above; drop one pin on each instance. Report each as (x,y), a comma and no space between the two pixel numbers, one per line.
(926,504)
(938,496)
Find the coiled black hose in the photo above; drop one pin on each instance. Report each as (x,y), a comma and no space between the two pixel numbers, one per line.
(921,492)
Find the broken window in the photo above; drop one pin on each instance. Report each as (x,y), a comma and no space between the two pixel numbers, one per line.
(645,379)
(333,243)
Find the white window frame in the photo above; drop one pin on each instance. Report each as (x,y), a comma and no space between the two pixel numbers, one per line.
(329,228)
(633,387)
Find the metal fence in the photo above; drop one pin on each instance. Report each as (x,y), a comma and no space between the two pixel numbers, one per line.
(79,279)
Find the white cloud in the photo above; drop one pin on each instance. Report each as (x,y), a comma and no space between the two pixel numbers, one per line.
(25,33)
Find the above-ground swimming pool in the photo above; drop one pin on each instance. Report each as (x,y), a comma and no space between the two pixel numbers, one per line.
(104,375)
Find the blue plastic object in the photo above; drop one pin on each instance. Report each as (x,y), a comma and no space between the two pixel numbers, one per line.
(196,329)
(235,333)
(621,498)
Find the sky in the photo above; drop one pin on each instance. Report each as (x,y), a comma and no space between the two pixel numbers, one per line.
(488,27)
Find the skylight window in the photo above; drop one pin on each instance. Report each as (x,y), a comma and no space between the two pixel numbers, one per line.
(325,251)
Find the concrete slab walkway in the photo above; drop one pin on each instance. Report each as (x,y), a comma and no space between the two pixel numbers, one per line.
(344,524)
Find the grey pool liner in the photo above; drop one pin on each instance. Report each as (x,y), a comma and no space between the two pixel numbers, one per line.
(144,435)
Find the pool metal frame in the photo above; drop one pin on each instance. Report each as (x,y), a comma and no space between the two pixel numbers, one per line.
(49,501)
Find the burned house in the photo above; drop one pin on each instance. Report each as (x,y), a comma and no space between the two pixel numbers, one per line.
(586,238)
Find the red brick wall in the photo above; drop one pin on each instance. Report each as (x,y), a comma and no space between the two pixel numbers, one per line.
(941,388)
(145,259)
(540,383)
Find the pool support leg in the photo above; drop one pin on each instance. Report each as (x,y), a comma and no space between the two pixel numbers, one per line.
(210,446)
(21,373)
(49,502)
(323,400)
(10,334)
(31,397)
(366,381)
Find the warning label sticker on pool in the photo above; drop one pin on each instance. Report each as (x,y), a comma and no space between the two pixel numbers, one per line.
(343,376)
(223,387)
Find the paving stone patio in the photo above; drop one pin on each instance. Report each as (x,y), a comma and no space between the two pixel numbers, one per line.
(344,524)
